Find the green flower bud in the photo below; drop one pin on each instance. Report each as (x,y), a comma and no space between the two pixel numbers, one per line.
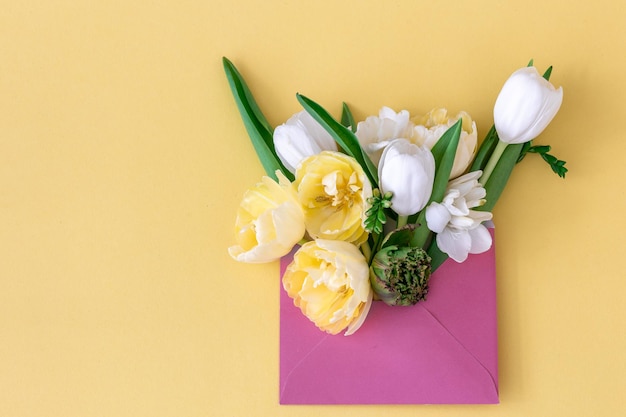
(399,276)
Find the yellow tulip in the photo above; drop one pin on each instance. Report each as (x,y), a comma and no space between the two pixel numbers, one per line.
(333,190)
(329,281)
(269,222)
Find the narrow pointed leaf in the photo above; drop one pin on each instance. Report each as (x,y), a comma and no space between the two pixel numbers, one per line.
(257,126)
(437,257)
(485,150)
(342,135)
(445,163)
(443,168)
(441,146)
(547,74)
(525,149)
(346,118)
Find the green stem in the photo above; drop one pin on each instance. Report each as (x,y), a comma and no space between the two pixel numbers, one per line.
(421,233)
(402,220)
(367,251)
(493,161)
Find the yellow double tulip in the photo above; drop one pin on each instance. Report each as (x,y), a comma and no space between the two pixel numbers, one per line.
(329,281)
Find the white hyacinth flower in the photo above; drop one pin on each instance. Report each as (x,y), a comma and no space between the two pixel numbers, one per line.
(459,228)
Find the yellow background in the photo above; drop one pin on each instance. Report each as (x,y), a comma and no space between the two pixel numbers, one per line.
(123,159)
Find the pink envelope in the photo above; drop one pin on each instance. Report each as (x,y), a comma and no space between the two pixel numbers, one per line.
(441,351)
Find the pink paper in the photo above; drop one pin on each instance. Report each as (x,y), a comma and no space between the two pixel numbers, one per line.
(441,351)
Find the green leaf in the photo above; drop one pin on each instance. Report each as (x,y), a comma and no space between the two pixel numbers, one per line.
(399,237)
(446,161)
(539,149)
(375,216)
(441,146)
(501,173)
(342,135)
(530,63)
(525,149)
(443,167)
(436,255)
(346,118)
(257,126)
(485,150)
(557,165)
(546,74)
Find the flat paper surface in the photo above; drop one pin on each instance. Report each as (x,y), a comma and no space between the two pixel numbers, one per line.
(440,351)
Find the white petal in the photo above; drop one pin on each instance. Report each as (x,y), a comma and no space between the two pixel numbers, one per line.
(455,243)
(481,239)
(437,217)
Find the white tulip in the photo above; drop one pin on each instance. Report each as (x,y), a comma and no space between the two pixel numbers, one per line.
(525,106)
(408,171)
(300,137)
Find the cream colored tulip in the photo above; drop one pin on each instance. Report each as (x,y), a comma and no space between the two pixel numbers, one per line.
(270,221)
(430,127)
(329,281)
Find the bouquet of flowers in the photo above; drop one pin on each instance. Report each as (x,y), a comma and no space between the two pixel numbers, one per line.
(377,206)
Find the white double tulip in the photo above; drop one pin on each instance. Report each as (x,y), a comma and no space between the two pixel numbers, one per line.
(376,132)
(525,106)
(299,137)
(408,171)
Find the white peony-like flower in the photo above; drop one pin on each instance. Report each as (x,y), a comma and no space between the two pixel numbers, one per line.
(376,132)
(459,228)
(299,137)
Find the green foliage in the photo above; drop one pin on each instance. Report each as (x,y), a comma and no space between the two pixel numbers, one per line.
(501,173)
(259,130)
(557,165)
(436,255)
(444,152)
(547,74)
(485,150)
(375,215)
(344,137)
(347,119)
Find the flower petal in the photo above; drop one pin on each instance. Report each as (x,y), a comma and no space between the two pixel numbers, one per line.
(481,239)
(437,217)
(456,243)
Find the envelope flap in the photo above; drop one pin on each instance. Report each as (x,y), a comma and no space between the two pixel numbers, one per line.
(441,351)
